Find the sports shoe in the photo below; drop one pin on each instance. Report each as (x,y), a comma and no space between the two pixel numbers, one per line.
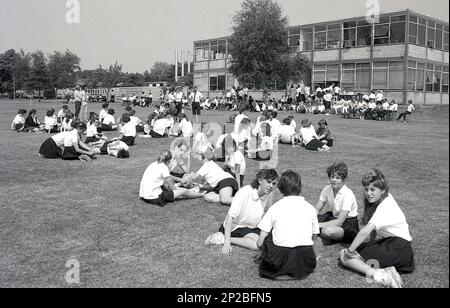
(388,277)
(215,239)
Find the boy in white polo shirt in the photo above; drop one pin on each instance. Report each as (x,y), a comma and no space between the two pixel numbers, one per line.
(341,223)
(288,234)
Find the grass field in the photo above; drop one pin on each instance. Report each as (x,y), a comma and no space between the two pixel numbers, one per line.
(53,210)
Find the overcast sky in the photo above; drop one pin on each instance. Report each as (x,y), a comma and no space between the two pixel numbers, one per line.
(136,33)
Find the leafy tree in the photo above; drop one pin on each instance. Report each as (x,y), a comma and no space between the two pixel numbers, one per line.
(39,78)
(161,71)
(14,70)
(134,80)
(259,46)
(109,78)
(63,68)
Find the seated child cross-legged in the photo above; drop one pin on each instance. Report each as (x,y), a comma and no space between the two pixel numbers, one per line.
(288,234)
(246,211)
(341,223)
(385,236)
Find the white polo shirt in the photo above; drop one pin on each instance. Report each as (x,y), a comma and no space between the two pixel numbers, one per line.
(59,138)
(385,106)
(275,128)
(237,122)
(393,107)
(71,138)
(237,159)
(102,114)
(129,130)
(109,120)
(152,180)
(247,208)
(91,131)
(293,221)
(389,220)
(213,174)
(411,108)
(202,142)
(186,128)
(308,134)
(135,120)
(160,126)
(287,131)
(50,122)
(344,200)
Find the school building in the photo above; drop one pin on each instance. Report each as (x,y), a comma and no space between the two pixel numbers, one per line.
(404,54)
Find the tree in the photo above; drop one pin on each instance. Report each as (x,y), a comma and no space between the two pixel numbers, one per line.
(161,71)
(259,46)
(39,78)
(134,80)
(109,78)
(14,70)
(63,68)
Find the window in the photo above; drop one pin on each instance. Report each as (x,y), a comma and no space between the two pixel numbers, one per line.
(412,66)
(348,76)
(380,75)
(320,41)
(205,82)
(398,29)
(349,34)
(420,75)
(229,56)
(332,74)
(413,28)
(431,34)
(205,51)
(429,78)
(381,34)
(364,33)
(439,33)
(198,52)
(230,81)
(306,39)
(445,79)
(325,75)
(221,50)
(213,83)
(320,73)
(362,77)
(198,81)
(396,77)
(446,38)
(422,31)
(294,39)
(437,78)
(334,36)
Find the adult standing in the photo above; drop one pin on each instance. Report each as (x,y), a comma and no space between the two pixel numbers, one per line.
(77,97)
(196,97)
(84,104)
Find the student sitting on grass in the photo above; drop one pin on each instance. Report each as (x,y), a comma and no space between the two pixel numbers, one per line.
(324,133)
(288,134)
(103,112)
(74,148)
(18,124)
(66,124)
(309,137)
(249,205)
(62,113)
(32,123)
(53,146)
(340,224)
(158,186)
(128,131)
(220,184)
(385,236)
(50,122)
(201,142)
(92,134)
(161,126)
(177,166)
(185,128)
(234,161)
(109,123)
(289,231)
(136,121)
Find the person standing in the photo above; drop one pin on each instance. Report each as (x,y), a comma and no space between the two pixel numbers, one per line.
(196,97)
(84,104)
(77,97)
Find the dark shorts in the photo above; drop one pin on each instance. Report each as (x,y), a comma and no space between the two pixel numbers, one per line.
(227,183)
(196,109)
(241,232)
(167,196)
(156,135)
(350,226)
(390,251)
(50,150)
(91,139)
(314,145)
(179,108)
(128,140)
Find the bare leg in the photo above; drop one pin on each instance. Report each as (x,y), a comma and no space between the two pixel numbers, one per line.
(226,195)
(212,197)
(358,265)
(249,241)
(332,233)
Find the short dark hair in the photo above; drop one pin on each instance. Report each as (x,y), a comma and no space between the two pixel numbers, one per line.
(105,105)
(287,121)
(123,154)
(323,122)
(125,118)
(290,183)
(50,113)
(264,174)
(339,169)
(128,108)
(111,111)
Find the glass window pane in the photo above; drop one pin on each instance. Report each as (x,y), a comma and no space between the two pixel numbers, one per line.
(431,24)
(420,74)
(212,83)
(363,77)
(398,18)
(413,19)
(377,65)
(422,21)
(437,81)
(348,66)
(438,39)
(334,27)
(320,40)
(350,24)
(319,76)
(221,83)
(294,31)
(383,20)
(380,79)
(398,32)
(307,40)
(364,36)
(431,38)
(320,28)
(412,64)
(421,35)
(333,73)
(349,38)
(429,81)
(396,76)
(334,38)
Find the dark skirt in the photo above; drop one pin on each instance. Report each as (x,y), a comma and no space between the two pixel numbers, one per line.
(241,232)
(18,127)
(156,135)
(106,128)
(298,262)
(314,145)
(92,139)
(128,140)
(50,150)
(390,251)
(70,153)
(229,182)
(350,226)
(167,196)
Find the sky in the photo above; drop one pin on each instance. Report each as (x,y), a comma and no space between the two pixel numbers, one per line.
(137,33)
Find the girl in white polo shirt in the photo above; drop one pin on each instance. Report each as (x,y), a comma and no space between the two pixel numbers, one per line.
(288,233)
(246,211)
(128,131)
(341,223)
(109,123)
(185,127)
(52,147)
(220,184)
(234,160)
(385,238)
(92,134)
(309,137)
(158,186)
(288,134)
(74,148)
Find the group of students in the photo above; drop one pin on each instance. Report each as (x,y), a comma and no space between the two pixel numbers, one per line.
(291,233)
